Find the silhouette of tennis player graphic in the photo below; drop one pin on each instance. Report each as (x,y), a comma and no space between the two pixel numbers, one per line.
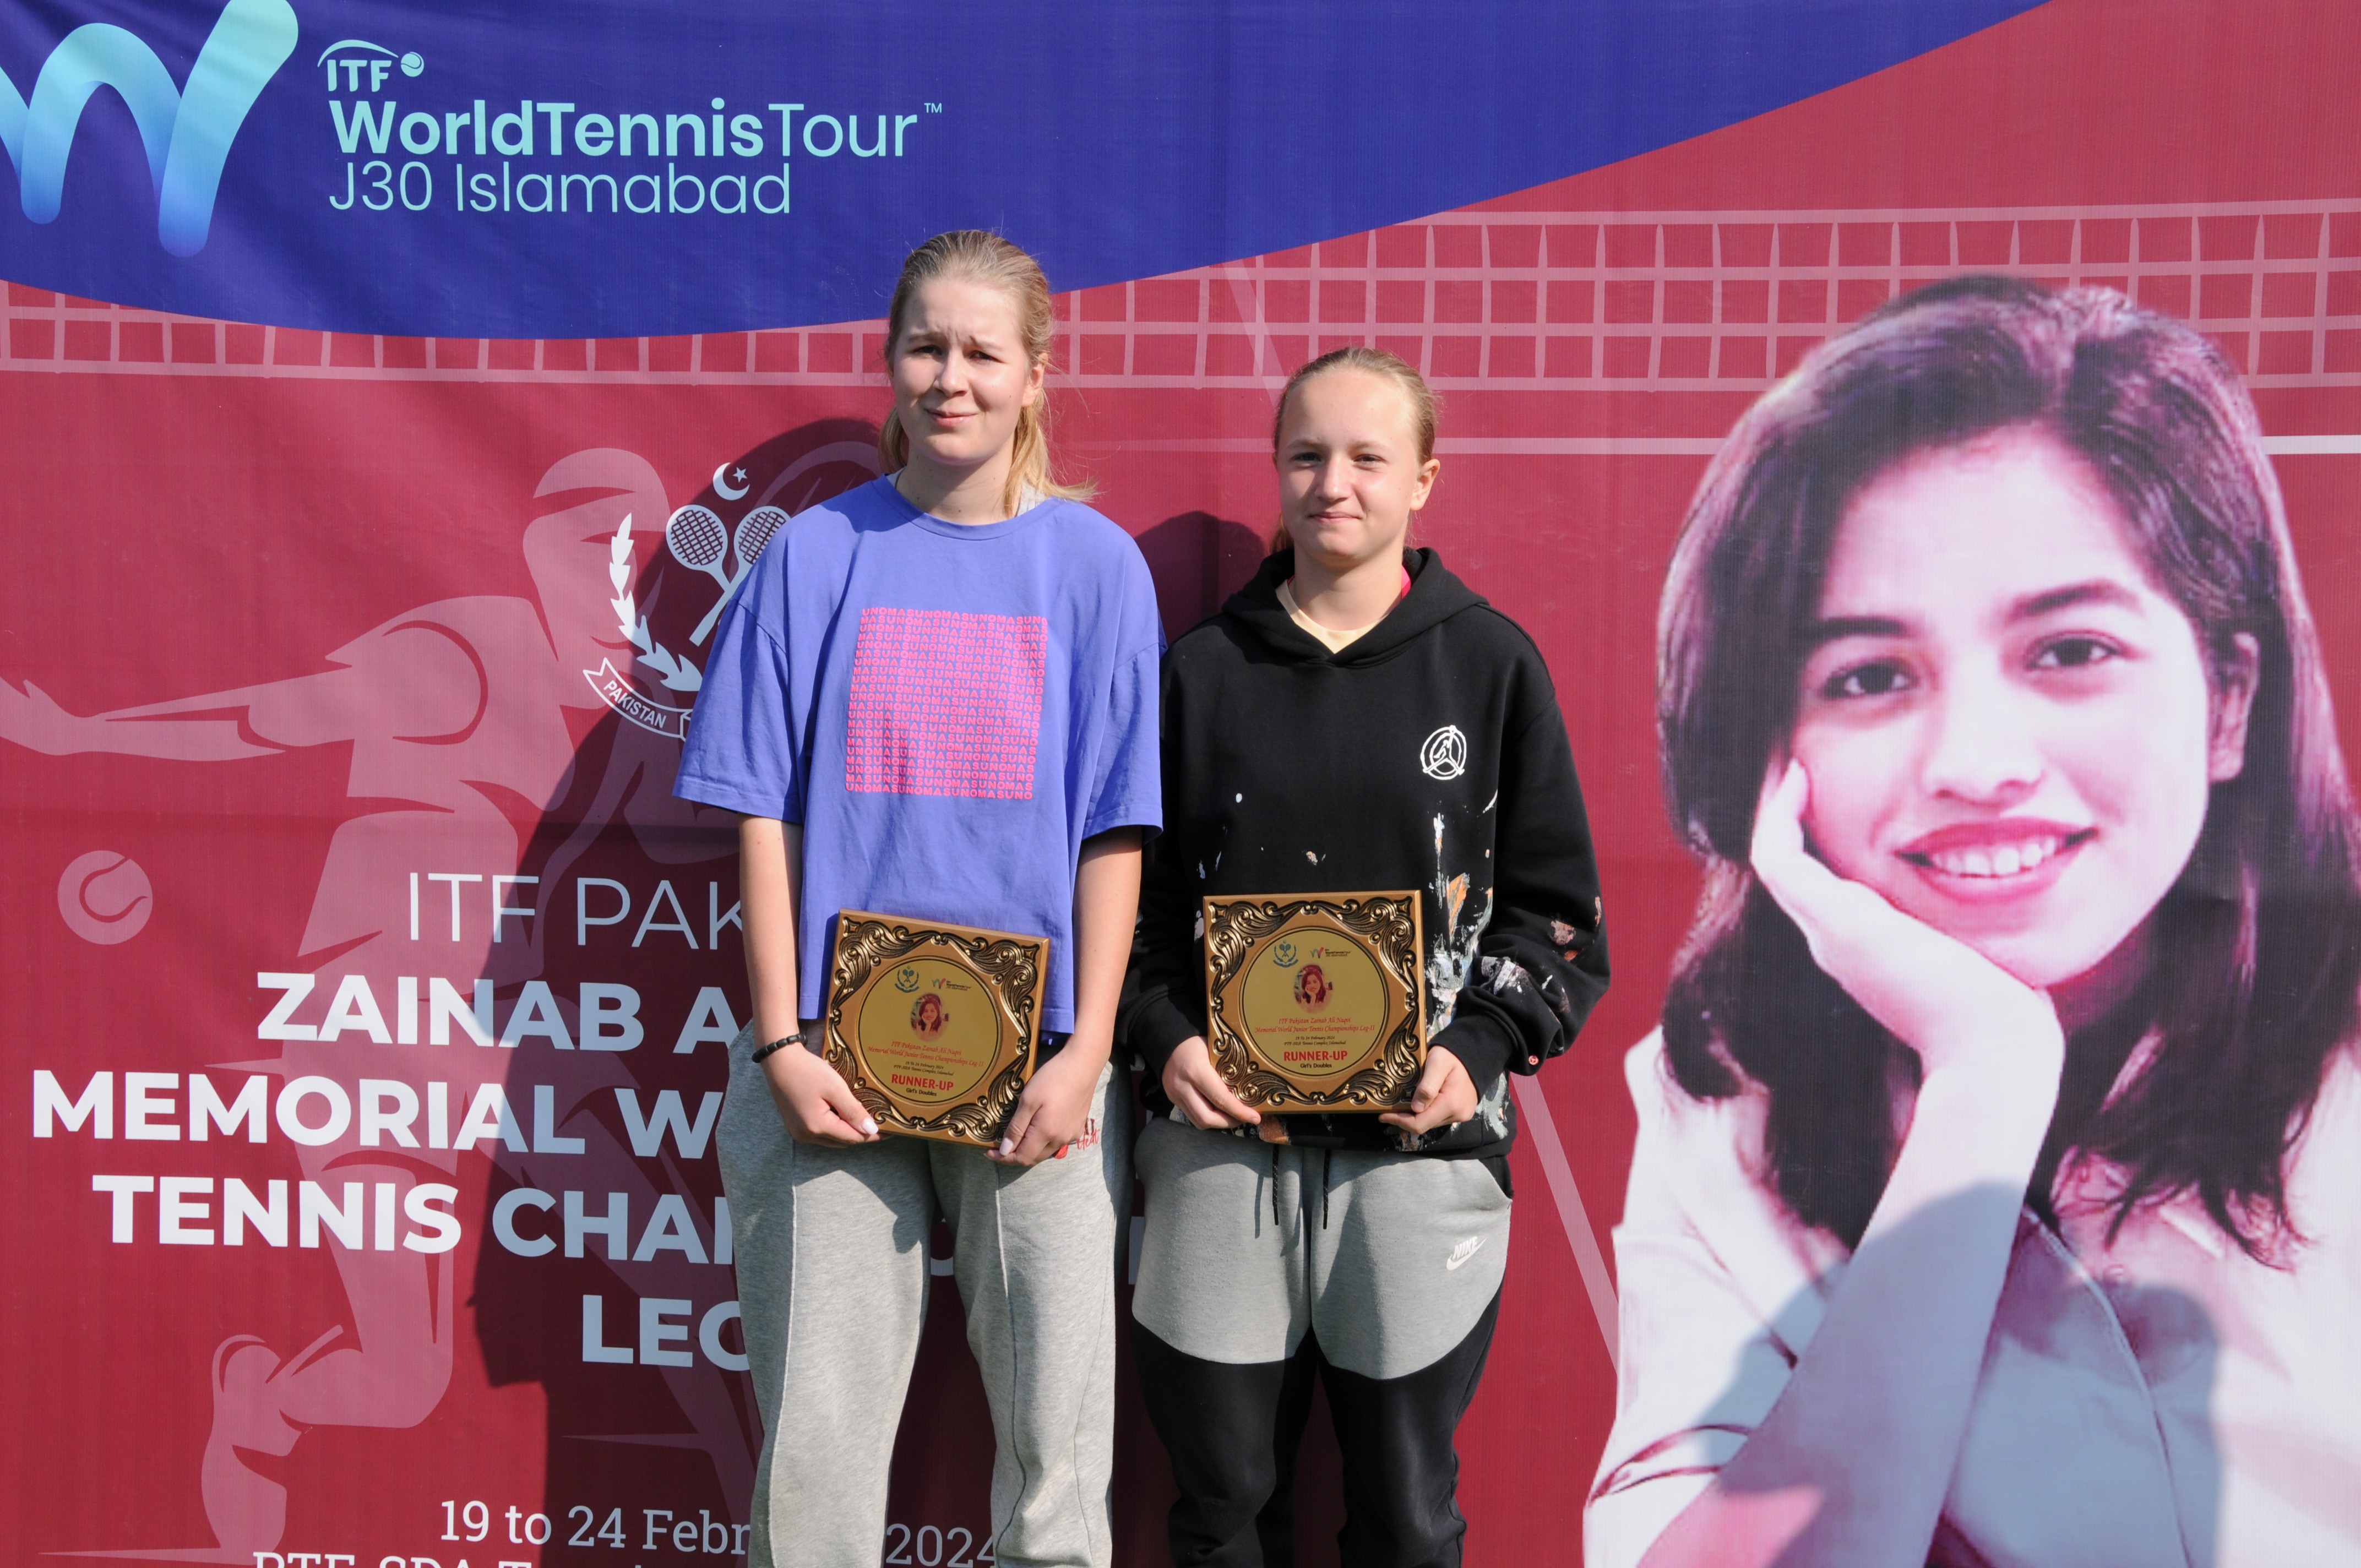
(468,719)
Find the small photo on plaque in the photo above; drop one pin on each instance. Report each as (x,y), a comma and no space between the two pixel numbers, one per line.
(934,1025)
(1316,1001)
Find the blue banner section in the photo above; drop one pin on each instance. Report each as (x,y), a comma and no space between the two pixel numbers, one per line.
(613,169)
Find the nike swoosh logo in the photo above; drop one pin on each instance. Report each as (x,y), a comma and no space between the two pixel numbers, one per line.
(1463,1251)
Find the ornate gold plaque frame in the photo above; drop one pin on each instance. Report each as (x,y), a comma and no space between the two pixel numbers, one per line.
(977,979)
(1378,1048)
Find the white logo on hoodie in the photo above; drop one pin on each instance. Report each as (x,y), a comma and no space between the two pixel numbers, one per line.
(1445,754)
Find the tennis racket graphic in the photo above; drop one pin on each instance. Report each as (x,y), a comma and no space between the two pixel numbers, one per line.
(754,531)
(698,540)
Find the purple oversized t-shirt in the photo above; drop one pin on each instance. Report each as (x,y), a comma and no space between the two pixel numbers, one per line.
(949,711)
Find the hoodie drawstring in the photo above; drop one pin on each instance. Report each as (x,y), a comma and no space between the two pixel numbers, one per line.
(1326,1188)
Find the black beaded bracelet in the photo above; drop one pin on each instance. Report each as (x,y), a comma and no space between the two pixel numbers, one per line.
(782,1043)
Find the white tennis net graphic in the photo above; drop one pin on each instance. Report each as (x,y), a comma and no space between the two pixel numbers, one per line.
(1539,301)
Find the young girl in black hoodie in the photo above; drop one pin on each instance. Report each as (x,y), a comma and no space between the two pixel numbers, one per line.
(1354,719)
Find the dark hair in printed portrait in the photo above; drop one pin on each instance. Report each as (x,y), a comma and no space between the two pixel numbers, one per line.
(2255,948)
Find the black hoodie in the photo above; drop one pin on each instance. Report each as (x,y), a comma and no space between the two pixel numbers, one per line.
(1430,754)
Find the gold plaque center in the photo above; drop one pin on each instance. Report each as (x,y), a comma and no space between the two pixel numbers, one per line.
(1315,1004)
(928,1033)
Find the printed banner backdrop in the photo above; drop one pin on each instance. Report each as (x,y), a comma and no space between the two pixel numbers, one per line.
(371,988)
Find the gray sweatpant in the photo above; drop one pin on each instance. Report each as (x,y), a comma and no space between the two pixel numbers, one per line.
(1389,1258)
(831,1256)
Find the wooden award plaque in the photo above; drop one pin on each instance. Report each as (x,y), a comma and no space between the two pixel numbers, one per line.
(1316,1001)
(933,1025)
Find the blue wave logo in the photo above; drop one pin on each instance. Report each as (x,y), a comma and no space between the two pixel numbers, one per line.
(186,130)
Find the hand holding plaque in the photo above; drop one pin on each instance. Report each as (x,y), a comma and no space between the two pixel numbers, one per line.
(934,1026)
(1316,1001)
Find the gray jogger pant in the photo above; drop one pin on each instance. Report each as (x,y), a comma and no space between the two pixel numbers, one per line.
(832,1281)
(1389,1258)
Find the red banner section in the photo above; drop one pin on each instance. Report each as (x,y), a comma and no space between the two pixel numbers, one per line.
(372,988)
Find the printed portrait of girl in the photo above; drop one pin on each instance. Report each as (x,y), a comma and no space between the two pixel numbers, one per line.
(928,1017)
(1997,1191)
(1311,986)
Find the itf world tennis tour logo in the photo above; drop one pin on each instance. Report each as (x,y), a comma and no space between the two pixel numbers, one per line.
(187,130)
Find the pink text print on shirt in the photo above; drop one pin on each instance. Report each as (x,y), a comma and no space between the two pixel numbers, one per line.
(945,702)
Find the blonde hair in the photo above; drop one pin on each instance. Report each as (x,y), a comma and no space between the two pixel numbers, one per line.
(1376,362)
(979,256)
